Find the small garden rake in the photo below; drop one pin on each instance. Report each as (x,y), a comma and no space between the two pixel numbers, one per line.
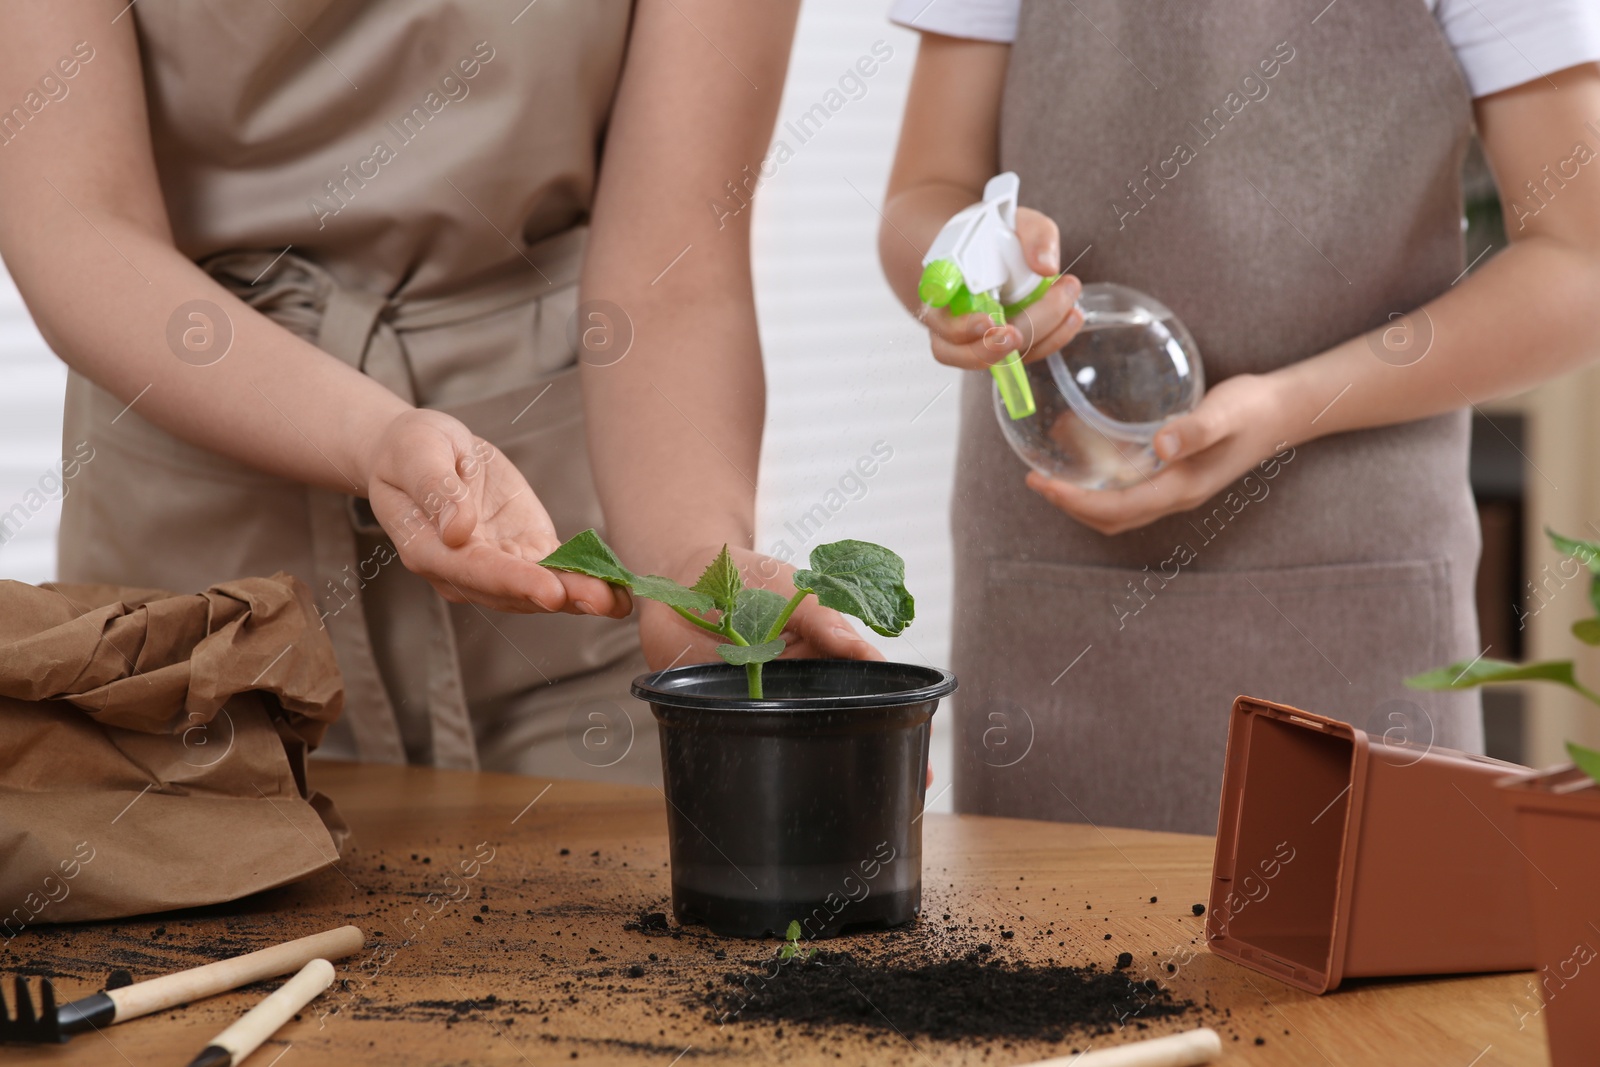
(22,1023)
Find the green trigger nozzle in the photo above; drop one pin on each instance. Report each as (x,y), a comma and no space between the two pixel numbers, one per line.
(941,280)
(942,286)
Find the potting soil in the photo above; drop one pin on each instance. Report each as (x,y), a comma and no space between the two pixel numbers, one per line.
(974,996)
(948,979)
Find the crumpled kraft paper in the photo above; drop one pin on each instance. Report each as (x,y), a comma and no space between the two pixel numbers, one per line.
(153,747)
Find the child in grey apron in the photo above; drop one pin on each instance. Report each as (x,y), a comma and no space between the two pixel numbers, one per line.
(1097,672)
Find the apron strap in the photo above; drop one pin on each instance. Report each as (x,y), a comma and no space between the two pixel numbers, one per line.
(364,330)
(334,551)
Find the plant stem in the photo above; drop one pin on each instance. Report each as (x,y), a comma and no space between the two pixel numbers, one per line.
(752,671)
(723,627)
(783,616)
(698,621)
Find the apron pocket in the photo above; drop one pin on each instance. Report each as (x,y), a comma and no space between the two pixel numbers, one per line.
(1098,694)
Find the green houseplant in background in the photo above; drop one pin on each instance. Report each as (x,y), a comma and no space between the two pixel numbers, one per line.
(1483,671)
(1556,813)
(856,577)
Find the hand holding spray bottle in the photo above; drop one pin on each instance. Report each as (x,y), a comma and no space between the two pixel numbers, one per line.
(1089,413)
(976,264)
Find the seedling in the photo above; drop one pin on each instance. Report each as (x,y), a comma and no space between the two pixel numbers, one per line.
(1465,675)
(791,948)
(855,577)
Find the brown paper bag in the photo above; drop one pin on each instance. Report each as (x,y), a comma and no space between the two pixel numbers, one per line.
(153,747)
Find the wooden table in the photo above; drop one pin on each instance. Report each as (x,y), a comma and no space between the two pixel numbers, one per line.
(539,936)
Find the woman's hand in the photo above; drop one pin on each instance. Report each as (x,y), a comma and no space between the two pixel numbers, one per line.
(1236,426)
(463,516)
(973,342)
(813,631)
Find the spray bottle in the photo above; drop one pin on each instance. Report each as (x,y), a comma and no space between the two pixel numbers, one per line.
(977,264)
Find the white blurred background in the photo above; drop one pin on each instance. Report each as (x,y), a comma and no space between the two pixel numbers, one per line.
(848,372)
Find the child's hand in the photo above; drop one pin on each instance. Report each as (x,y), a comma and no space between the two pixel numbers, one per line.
(1241,422)
(972,342)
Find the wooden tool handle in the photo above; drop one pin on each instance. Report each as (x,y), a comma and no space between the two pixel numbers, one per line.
(142,998)
(263,1020)
(1188,1049)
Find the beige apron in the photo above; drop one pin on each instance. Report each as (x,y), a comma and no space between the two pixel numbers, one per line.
(1097,672)
(405,185)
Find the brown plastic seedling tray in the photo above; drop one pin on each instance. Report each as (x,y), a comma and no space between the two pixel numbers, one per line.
(1557,815)
(1341,857)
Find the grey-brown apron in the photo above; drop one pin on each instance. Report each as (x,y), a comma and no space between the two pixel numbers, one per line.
(405,185)
(1277,216)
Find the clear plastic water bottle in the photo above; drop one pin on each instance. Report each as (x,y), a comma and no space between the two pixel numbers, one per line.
(1101,399)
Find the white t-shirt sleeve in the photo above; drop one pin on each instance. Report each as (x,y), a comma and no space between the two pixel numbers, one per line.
(1505,43)
(1498,43)
(978,20)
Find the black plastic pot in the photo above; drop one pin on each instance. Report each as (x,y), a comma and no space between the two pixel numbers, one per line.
(804,806)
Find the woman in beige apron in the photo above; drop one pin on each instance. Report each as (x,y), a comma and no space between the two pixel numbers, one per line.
(1314,540)
(408,187)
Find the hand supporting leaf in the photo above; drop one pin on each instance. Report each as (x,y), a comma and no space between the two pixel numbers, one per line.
(854,577)
(587,554)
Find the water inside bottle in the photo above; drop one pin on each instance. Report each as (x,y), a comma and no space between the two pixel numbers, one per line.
(1102,398)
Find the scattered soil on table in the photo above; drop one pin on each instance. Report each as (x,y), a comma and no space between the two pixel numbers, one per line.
(649,922)
(958,980)
(975,996)
(579,955)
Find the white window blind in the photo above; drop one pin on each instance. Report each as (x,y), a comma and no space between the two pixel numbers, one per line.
(30,443)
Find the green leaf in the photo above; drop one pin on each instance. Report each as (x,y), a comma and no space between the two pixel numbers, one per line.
(860,579)
(741,655)
(1585,552)
(1587,759)
(585,553)
(721,581)
(755,612)
(793,933)
(1587,631)
(1465,675)
(1490,671)
(655,587)
(787,951)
